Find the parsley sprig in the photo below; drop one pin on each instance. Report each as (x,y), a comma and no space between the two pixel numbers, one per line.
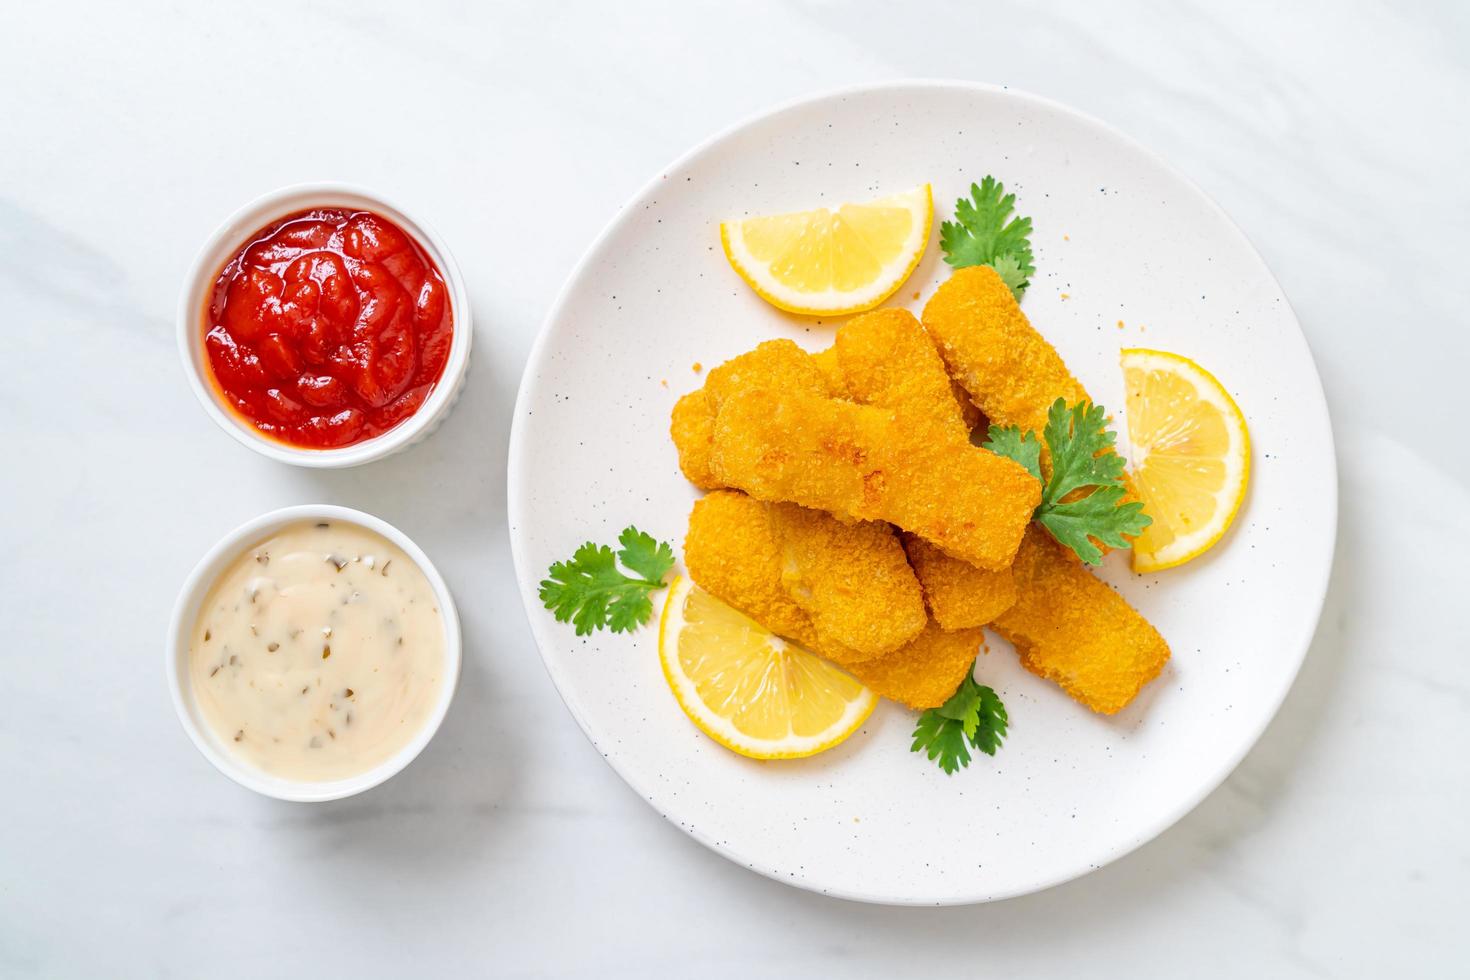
(592,593)
(1082,456)
(974,716)
(984,233)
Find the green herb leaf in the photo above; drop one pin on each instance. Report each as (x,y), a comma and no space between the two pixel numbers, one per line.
(1008,266)
(590,592)
(984,233)
(1081,449)
(943,740)
(974,716)
(1024,449)
(644,555)
(1098,515)
(991,721)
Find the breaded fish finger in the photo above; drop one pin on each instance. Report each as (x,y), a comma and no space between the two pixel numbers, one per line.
(959,595)
(805,576)
(852,580)
(1003,363)
(692,428)
(1071,628)
(733,554)
(1008,369)
(926,672)
(885,358)
(863,462)
(778,362)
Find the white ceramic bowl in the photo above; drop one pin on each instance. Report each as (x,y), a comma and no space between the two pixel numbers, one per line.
(226,241)
(186,609)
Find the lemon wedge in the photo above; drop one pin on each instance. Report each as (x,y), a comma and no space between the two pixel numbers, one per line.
(832,262)
(1191,456)
(747,688)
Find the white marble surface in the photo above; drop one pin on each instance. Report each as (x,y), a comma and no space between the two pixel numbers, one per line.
(1333,133)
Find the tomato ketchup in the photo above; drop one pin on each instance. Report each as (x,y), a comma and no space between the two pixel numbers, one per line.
(328,327)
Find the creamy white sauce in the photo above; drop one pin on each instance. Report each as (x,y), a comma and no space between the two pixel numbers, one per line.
(319,653)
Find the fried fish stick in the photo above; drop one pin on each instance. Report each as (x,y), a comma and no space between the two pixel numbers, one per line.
(1003,363)
(733,553)
(1008,369)
(775,363)
(844,591)
(692,429)
(959,595)
(853,580)
(885,358)
(826,362)
(1071,628)
(778,362)
(864,463)
(926,672)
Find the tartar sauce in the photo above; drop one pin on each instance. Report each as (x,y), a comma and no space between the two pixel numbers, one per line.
(319,653)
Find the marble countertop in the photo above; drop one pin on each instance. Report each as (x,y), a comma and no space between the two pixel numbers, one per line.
(1333,135)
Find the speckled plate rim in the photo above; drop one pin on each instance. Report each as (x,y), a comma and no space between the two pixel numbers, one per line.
(1314,594)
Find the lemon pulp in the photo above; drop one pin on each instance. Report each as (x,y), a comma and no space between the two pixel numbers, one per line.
(747,688)
(1191,456)
(832,261)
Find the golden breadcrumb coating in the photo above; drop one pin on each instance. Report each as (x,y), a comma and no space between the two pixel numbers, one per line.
(775,363)
(692,429)
(1071,628)
(693,422)
(959,595)
(864,463)
(1067,625)
(926,672)
(1009,370)
(826,362)
(843,591)
(733,553)
(886,359)
(974,418)
(853,580)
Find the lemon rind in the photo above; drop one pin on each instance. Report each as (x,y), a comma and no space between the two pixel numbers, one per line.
(838,302)
(1238,464)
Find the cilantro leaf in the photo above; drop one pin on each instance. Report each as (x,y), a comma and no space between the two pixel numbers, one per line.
(1099,515)
(590,592)
(1008,266)
(942,739)
(1081,448)
(974,716)
(991,721)
(1024,449)
(981,234)
(649,558)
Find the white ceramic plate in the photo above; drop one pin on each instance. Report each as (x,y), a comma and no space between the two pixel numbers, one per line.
(1118,237)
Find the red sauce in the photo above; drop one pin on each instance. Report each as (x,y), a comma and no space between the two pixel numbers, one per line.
(328,327)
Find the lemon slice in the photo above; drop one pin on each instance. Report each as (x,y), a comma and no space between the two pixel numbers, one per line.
(747,688)
(1191,456)
(832,262)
